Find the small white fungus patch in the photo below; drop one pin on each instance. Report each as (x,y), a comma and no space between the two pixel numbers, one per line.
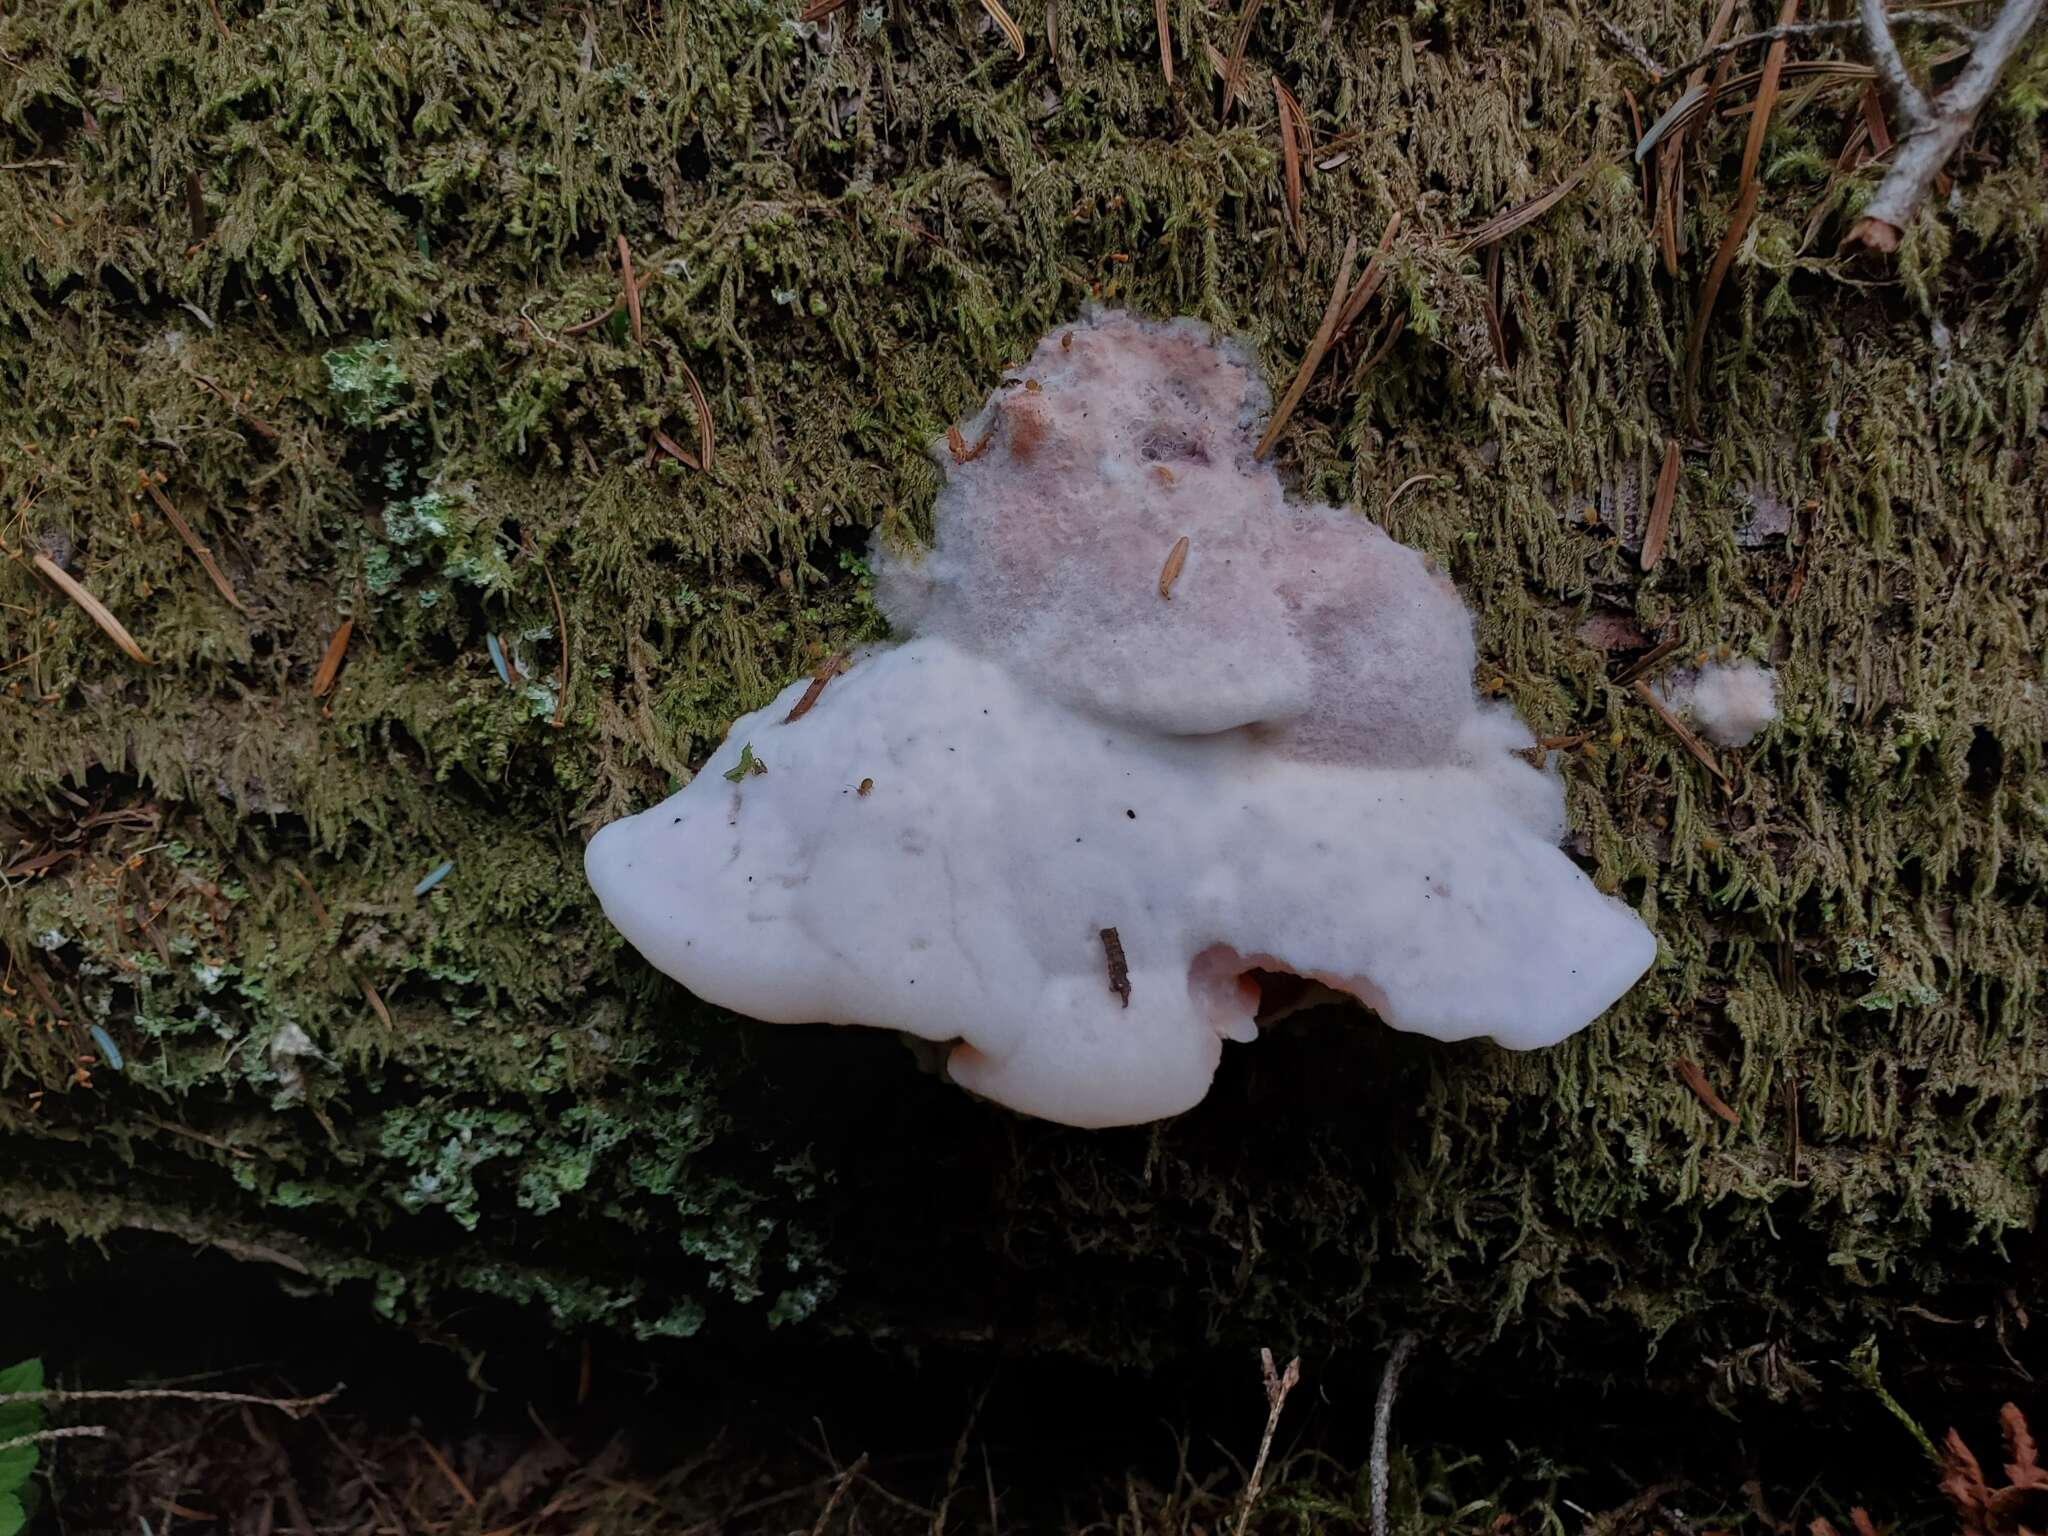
(1734,701)
(1281,767)
(1730,701)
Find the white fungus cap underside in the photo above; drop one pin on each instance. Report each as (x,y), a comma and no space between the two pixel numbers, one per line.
(1284,766)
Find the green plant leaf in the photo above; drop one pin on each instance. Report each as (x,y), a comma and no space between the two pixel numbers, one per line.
(18,1419)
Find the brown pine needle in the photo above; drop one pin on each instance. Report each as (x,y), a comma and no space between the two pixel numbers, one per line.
(1293,140)
(819,679)
(1501,225)
(376,1001)
(1766,99)
(1369,283)
(1233,65)
(192,542)
(562,632)
(461,1488)
(673,449)
(1686,739)
(1659,526)
(255,423)
(1318,345)
(331,659)
(94,608)
(1495,332)
(1165,26)
(1696,1080)
(1711,289)
(1170,572)
(1006,24)
(704,446)
(632,288)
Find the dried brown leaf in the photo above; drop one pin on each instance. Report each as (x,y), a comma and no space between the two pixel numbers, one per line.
(1170,572)
(1659,527)
(331,659)
(192,542)
(1164,23)
(94,608)
(1696,1080)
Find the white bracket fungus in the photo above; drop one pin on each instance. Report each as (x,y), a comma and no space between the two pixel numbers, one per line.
(1153,728)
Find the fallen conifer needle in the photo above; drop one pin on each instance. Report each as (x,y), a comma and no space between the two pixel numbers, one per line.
(832,668)
(632,288)
(1501,225)
(1659,526)
(1170,572)
(1293,143)
(704,445)
(1690,742)
(1696,1080)
(94,608)
(1318,345)
(1006,24)
(1233,66)
(192,542)
(331,659)
(673,449)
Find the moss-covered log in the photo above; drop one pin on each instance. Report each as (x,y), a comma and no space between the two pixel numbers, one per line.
(339,285)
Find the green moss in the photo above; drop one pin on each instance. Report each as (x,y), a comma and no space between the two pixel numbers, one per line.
(388,409)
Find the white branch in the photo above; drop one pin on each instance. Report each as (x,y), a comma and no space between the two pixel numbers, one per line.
(1936,129)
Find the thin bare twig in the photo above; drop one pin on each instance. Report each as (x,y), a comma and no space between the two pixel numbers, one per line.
(297,1407)
(1382,1428)
(71,1432)
(1934,130)
(846,1481)
(1632,48)
(1278,1385)
(1833,27)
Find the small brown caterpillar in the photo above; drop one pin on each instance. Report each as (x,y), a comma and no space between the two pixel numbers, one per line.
(1119,968)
